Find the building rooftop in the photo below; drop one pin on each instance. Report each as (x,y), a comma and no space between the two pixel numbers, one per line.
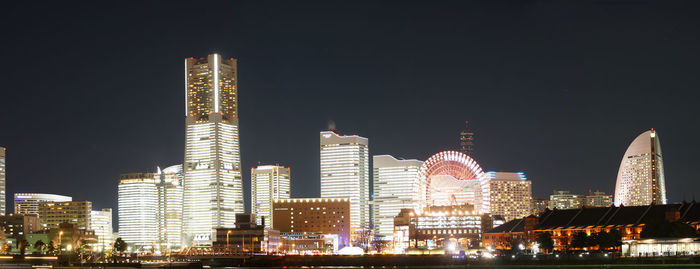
(604,216)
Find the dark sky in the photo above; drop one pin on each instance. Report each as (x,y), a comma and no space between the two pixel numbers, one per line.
(555,89)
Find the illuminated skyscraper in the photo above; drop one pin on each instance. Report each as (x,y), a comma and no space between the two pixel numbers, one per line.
(169,217)
(138,207)
(345,173)
(466,141)
(640,180)
(213,188)
(510,194)
(3,179)
(267,183)
(101,223)
(397,184)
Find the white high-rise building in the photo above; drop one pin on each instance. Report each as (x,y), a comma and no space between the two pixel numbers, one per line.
(345,174)
(268,183)
(510,194)
(101,223)
(138,207)
(28,203)
(397,185)
(3,179)
(169,217)
(213,187)
(640,180)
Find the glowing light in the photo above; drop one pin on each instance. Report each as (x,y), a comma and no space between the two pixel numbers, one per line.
(186,74)
(216,82)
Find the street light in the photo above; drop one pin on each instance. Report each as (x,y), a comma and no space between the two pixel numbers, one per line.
(60,242)
(227,233)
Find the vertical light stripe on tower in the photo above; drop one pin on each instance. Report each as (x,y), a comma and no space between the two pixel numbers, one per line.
(216,83)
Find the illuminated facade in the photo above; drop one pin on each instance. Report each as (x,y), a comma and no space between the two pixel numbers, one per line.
(397,185)
(101,223)
(169,217)
(453,178)
(3,181)
(565,200)
(345,173)
(510,194)
(53,214)
(28,203)
(640,180)
(138,209)
(314,215)
(439,227)
(268,182)
(213,188)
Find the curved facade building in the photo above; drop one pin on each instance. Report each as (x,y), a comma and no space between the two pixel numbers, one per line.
(640,180)
(453,178)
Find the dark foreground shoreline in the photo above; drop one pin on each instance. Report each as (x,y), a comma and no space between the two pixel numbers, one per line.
(397,261)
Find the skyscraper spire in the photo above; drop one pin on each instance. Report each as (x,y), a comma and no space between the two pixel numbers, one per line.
(466,141)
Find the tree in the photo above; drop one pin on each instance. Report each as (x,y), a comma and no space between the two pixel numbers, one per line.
(581,240)
(39,246)
(545,242)
(51,247)
(22,246)
(6,248)
(606,240)
(119,245)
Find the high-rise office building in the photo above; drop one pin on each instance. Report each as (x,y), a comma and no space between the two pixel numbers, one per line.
(345,174)
(267,183)
(640,180)
(3,179)
(138,207)
(598,199)
(510,194)
(28,203)
(101,223)
(466,141)
(565,200)
(53,214)
(169,217)
(397,185)
(213,187)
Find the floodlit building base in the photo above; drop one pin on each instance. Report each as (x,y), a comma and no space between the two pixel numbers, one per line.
(661,247)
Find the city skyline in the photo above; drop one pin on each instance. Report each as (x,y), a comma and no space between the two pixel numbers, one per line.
(515,139)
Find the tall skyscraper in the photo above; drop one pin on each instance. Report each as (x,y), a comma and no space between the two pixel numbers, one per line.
(345,174)
(397,184)
(138,207)
(640,180)
(3,179)
(169,217)
(28,203)
(268,183)
(466,141)
(213,187)
(510,194)
(101,223)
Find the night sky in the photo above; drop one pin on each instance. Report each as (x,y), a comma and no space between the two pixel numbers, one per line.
(555,89)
